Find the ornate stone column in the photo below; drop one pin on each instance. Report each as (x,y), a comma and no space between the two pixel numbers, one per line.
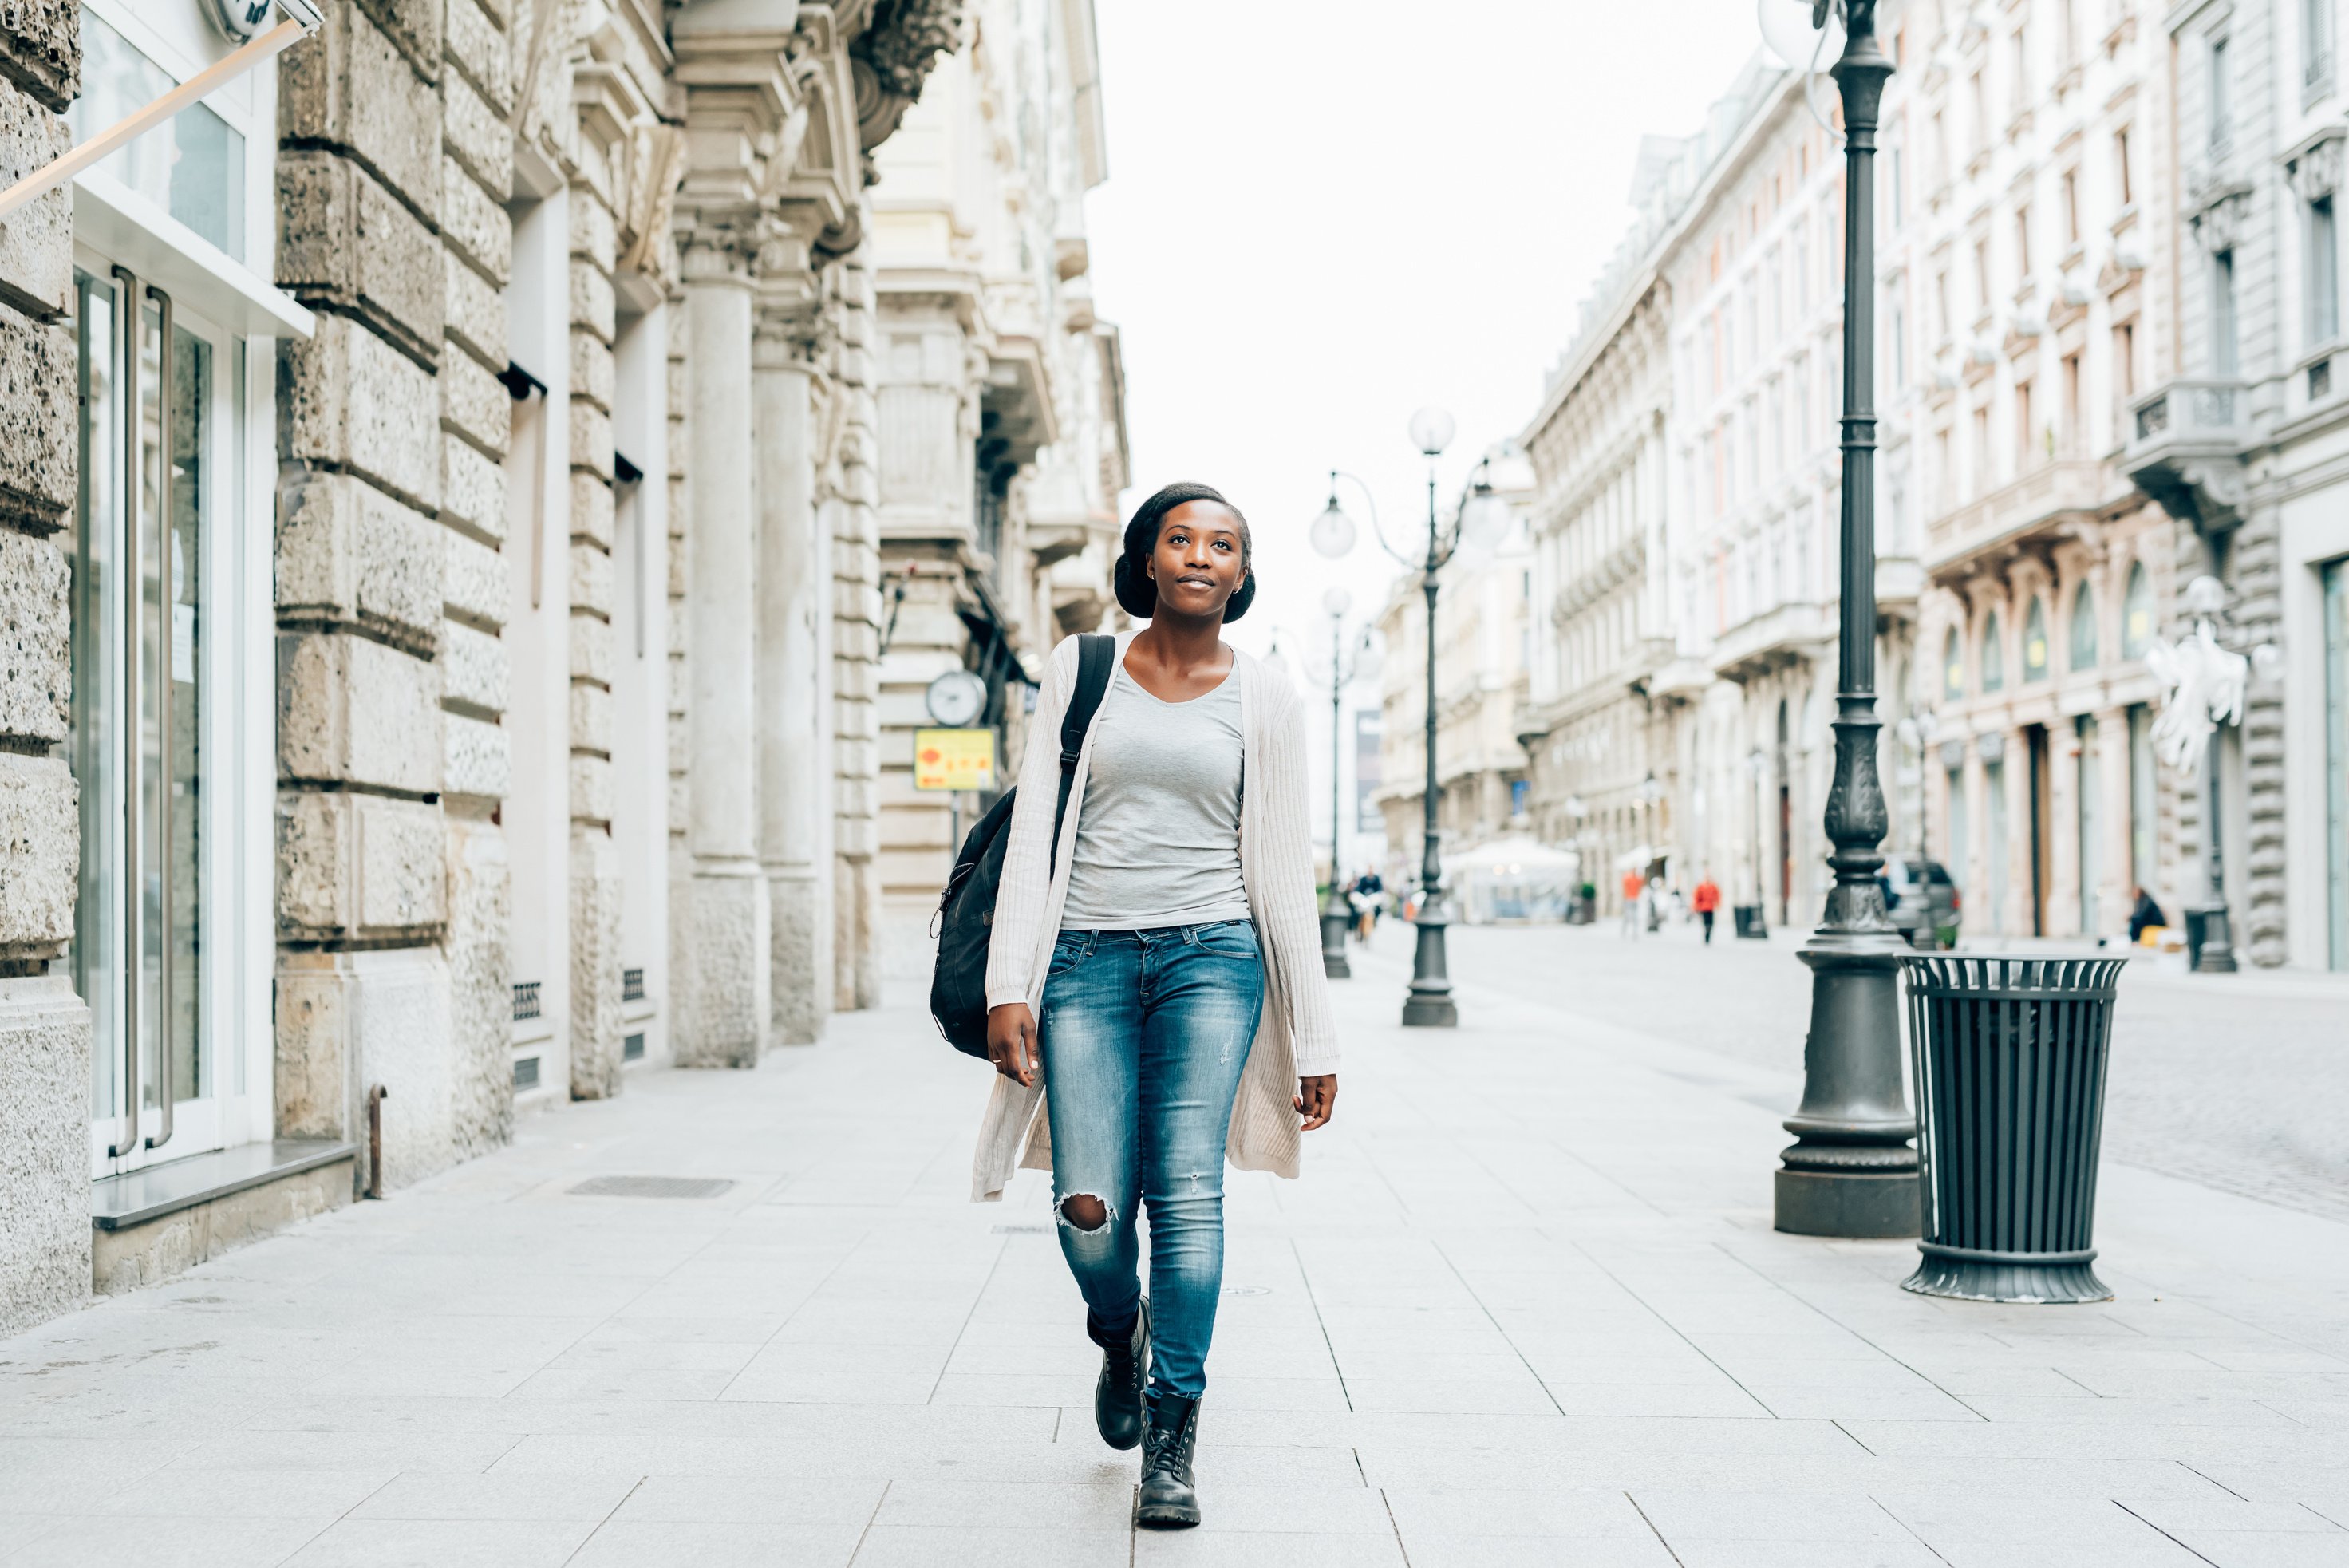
(793,680)
(727,912)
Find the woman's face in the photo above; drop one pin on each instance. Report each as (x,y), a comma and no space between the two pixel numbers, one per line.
(1199,561)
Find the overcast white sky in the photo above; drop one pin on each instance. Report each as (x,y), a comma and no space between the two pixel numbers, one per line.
(1323,214)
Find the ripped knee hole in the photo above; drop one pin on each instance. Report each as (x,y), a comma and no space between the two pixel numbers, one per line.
(1085,1211)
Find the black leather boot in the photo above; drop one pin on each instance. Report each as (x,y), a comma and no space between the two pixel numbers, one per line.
(1170,1498)
(1125,1372)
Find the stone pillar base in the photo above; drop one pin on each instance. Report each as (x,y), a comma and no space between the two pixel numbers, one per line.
(45,1130)
(348,1020)
(595,1026)
(729,958)
(799,921)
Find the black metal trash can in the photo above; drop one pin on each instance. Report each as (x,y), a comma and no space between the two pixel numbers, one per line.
(2009,1060)
(1750,922)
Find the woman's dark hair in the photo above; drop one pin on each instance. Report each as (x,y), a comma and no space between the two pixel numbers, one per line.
(1135,591)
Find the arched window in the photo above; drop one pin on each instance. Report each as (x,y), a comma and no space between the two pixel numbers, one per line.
(2137,614)
(1993,657)
(2083,628)
(1953,668)
(2034,640)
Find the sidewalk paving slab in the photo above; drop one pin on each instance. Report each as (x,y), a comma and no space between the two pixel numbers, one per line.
(1525,1307)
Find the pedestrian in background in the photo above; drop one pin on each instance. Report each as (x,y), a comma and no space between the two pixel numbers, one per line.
(2144,914)
(1159,965)
(1635,892)
(1706,903)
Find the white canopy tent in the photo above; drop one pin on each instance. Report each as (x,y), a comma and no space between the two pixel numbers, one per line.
(1514,879)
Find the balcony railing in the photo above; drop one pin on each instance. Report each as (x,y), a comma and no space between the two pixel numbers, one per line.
(2186,443)
(2042,499)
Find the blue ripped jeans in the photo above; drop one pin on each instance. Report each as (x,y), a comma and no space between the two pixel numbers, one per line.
(1144,1034)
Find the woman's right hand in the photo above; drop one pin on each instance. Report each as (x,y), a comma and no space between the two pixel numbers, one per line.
(1011,1042)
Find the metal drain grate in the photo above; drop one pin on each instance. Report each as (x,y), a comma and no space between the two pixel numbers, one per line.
(651,1187)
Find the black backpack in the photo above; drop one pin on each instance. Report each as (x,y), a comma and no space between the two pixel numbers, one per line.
(966,919)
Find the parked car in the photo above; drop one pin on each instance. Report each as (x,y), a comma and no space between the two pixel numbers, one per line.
(1922,899)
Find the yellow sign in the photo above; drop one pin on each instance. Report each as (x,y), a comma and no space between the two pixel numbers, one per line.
(954,759)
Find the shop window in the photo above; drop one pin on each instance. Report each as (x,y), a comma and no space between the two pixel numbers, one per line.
(191,166)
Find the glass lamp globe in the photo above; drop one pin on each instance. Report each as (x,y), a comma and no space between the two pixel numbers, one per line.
(1332,534)
(1788,32)
(1336,602)
(1485,521)
(1431,431)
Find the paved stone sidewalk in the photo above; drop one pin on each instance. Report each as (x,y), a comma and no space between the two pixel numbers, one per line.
(1524,1308)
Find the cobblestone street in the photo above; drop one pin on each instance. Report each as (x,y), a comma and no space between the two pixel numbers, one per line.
(2239,1081)
(1526,1307)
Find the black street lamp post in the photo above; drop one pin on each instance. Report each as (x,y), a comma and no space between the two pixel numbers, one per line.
(1337,913)
(1851,1171)
(1483,510)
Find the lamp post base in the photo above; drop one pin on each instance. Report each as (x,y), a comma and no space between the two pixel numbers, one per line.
(1851,1171)
(1430,1005)
(2214,954)
(1334,925)
(1861,1208)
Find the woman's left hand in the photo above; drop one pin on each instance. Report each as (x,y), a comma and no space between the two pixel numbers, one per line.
(1317,1099)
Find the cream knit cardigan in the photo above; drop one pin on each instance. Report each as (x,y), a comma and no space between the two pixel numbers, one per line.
(1295,1037)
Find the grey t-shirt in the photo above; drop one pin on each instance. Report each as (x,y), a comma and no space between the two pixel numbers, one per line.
(1158,837)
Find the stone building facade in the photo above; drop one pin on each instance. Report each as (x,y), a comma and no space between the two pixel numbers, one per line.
(2028,279)
(1597,724)
(2243,438)
(1482,615)
(441,540)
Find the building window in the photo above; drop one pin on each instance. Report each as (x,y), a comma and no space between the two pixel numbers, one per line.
(1896,324)
(2125,360)
(2083,628)
(1942,306)
(2323,274)
(2035,642)
(2222,107)
(2224,330)
(1981,95)
(1981,276)
(2317,46)
(2027,443)
(2136,613)
(2071,207)
(2023,244)
(1953,668)
(2121,166)
(1993,659)
(2021,53)
(2075,439)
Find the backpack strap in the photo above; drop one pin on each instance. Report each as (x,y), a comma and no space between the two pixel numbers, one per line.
(1096,660)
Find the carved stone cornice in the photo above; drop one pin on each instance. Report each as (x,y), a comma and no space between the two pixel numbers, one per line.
(717,244)
(895,56)
(2222,212)
(2315,166)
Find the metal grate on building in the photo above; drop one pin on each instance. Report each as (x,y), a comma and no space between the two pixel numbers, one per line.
(525,1000)
(526,1073)
(652,1187)
(632,986)
(632,1048)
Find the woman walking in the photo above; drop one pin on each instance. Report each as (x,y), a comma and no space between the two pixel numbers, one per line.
(1160,969)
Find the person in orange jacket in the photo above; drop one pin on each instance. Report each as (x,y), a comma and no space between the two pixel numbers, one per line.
(1707,900)
(1635,892)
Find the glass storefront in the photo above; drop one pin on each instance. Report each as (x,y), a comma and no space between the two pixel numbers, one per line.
(137,548)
